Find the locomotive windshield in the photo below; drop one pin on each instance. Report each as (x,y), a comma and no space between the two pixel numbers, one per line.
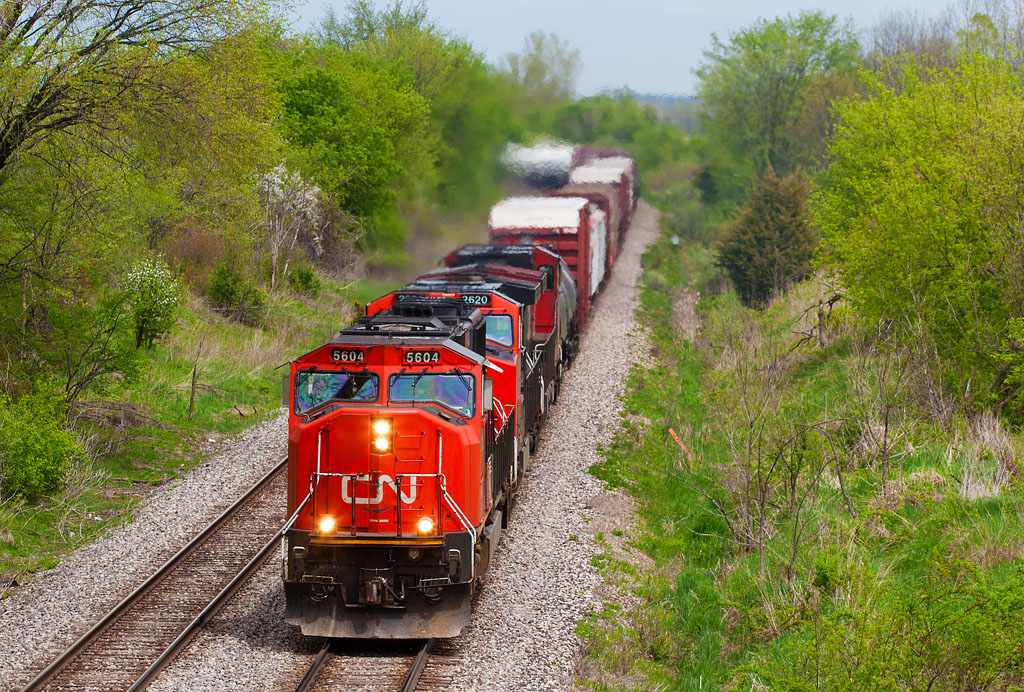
(499,329)
(315,387)
(454,391)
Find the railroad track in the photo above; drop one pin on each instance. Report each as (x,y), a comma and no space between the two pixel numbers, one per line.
(132,643)
(347,667)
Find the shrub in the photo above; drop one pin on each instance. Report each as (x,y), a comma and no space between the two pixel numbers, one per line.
(233,295)
(954,629)
(36,451)
(770,244)
(153,295)
(304,280)
(84,345)
(193,251)
(225,281)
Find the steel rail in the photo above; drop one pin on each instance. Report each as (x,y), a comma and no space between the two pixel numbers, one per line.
(418,665)
(73,651)
(208,612)
(315,667)
(409,682)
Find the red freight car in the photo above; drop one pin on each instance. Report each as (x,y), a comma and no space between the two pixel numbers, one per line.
(616,184)
(611,158)
(606,197)
(573,227)
(628,167)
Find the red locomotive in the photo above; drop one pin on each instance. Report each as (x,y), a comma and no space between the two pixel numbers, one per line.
(410,430)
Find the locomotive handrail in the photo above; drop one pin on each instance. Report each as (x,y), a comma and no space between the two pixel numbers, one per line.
(319,448)
(463,519)
(295,515)
(500,410)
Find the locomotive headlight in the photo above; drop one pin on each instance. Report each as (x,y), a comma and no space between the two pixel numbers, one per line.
(382,432)
(425,525)
(327,524)
(415,554)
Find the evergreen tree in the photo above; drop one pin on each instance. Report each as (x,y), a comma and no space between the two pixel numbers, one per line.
(770,243)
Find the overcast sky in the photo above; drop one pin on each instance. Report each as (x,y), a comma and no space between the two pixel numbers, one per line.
(646,45)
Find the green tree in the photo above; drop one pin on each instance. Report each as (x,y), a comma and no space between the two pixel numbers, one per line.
(920,211)
(618,120)
(63,64)
(546,68)
(354,124)
(769,245)
(606,118)
(471,105)
(80,343)
(77,210)
(766,92)
(397,35)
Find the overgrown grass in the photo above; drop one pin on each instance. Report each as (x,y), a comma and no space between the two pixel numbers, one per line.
(140,433)
(819,531)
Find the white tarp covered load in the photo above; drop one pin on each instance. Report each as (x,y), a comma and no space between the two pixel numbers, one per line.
(621,164)
(591,173)
(545,164)
(538,212)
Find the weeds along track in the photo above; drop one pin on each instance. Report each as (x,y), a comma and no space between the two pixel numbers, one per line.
(352,666)
(132,643)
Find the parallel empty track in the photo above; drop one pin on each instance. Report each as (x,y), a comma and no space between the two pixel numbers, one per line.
(128,647)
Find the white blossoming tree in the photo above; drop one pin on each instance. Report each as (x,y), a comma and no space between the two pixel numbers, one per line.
(292,207)
(153,295)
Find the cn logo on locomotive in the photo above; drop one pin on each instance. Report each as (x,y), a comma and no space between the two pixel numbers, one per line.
(348,355)
(382,480)
(422,356)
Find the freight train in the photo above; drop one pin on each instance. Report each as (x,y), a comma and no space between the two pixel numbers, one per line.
(409,432)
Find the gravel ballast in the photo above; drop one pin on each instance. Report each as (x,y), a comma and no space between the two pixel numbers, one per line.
(542,583)
(42,619)
(522,635)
